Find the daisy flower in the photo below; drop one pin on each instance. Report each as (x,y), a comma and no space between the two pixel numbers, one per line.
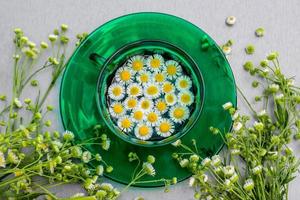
(125,123)
(168,87)
(144,77)
(159,77)
(172,69)
(151,90)
(152,118)
(170,99)
(116,109)
(165,128)
(116,91)
(145,104)
(138,115)
(143,131)
(136,63)
(179,113)
(130,103)
(155,62)
(134,90)
(183,82)
(124,75)
(186,98)
(161,106)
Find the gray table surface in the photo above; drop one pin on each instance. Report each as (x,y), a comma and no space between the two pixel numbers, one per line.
(281,20)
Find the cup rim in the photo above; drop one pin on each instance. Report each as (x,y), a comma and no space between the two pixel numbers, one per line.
(127,138)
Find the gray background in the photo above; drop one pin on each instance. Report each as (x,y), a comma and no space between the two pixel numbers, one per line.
(281,20)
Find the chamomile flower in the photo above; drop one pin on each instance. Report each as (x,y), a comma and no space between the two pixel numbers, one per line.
(145,104)
(116,91)
(136,63)
(155,62)
(153,118)
(161,106)
(170,99)
(152,90)
(168,87)
(117,109)
(143,131)
(172,69)
(138,115)
(124,75)
(144,77)
(186,98)
(125,123)
(179,113)
(159,77)
(183,83)
(134,90)
(130,103)
(165,128)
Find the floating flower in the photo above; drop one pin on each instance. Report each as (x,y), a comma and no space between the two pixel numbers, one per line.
(145,104)
(138,115)
(161,106)
(168,87)
(124,75)
(155,62)
(144,77)
(151,90)
(116,109)
(116,91)
(143,131)
(179,113)
(165,128)
(134,90)
(183,83)
(172,69)
(130,103)
(125,123)
(153,118)
(136,63)
(159,77)
(170,99)
(186,98)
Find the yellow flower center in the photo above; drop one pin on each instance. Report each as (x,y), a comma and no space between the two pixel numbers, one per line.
(152,117)
(155,63)
(159,77)
(134,91)
(164,127)
(152,90)
(161,106)
(171,70)
(144,130)
(178,113)
(145,104)
(167,87)
(185,98)
(183,83)
(118,108)
(137,65)
(126,123)
(117,91)
(138,115)
(132,103)
(144,78)
(125,75)
(170,98)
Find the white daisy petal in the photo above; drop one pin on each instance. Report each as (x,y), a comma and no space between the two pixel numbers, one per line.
(134,90)
(130,103)
(145,104)
(144,77)
(138,115)
(125,123)
(168,87)
(170,99)
(165,128)
(161,106)
(117,109)
(183,83)
(172,69)
(186,98)
(159,77)
(124,75)
(179,113)
(155,62)
(116,91)
(153,118)
(152,90)
(143,131)
(136,63)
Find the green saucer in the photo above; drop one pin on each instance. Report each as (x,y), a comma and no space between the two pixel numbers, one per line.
(82,90)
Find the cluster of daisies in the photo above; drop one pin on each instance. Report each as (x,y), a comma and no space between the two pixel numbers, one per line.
(150,96)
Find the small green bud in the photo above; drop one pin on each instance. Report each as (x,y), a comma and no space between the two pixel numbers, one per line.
(27,101)
(49,108)
(259,32)
(56,134)
(44,45)
(38,116)
(52,38)
(18,31)
(2,97)
(24,39)
(64,39)
(264,63)
(151,159)
(56,32)
(272,56)
(250,49)
(34,83)
(109,169)
(98,157)
(48,123)
(257,98)
(248,66)
(64,27)
(255,84)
